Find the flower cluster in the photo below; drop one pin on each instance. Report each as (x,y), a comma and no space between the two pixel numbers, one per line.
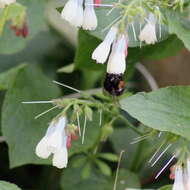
(56,141)
(4,3)
(182,177)
(76,15)
(115,41)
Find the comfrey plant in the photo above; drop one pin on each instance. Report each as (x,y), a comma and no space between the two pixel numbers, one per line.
(113,136)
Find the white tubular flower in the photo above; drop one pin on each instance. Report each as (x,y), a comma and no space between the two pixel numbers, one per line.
(3,3)
(73,12)
(54,142)
(187,180)
(90,20)
(101,53)
(178,181)
(148,33)
(116,62)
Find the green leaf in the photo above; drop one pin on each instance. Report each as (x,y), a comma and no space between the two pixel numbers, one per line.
(166,109)
(78,161)
(109,156)
(162,49)
(8,186)
(9,43)
(179,26)
(86,45)
(86,171)
(21,131)
(105,169)
(127,179)
(167,187)
(6,78)
(121,139)
(71,180)
(97,181)
(67,69)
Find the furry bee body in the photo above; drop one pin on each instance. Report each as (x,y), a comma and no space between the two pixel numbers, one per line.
(114,84)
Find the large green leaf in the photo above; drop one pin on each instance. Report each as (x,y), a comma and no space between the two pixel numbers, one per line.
(167,187)
(136,154)
(6,78)
(166,109)
(35,52)
(127,179)
(179,26)
(8,186)
(9,43)
(121,139)
(71,179)
(21,130)
(86,45)
(162,49)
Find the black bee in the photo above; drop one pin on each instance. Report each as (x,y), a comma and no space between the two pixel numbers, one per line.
(114,84)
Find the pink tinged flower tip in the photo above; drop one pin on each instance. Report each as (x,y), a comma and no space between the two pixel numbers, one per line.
(148,33)
(97,3)
(100,54)
(116,62)
(90,21)
(54,142)
(73,12)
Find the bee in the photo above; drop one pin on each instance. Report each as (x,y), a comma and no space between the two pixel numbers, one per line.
(114,84)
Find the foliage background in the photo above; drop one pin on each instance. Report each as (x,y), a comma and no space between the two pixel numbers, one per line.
(56,51)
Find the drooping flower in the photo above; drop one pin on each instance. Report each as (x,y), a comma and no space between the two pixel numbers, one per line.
(90,20)
(116,66)
(3,3)
(187,176)
(116,62)
(179,179)
(148,33)
(101,53)
(55,142)
(73,12)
